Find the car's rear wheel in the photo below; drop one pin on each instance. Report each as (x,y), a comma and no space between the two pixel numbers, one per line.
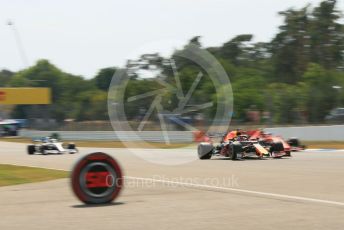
(31,149)
(236,147)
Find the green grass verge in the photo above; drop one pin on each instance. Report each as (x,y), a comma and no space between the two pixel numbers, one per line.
(12,175)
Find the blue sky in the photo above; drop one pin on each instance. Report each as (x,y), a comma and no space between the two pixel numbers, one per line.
(82,36)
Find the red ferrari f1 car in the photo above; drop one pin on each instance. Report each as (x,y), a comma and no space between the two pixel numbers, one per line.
(290,145)
(269,141)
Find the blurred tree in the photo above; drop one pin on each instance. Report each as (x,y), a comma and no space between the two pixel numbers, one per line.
(248,91)
(234,50)
(5,77)
(43,74)
(93,105)
(195,41)
(327,36)
(321,97)
(104,77)
(291,46)
(64,87)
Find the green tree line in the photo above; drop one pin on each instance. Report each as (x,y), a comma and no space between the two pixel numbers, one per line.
(291,76)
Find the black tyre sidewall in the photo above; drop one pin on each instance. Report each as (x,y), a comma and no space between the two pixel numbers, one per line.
(234,153)
(31,149)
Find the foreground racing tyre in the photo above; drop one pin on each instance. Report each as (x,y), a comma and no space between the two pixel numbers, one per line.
(96,179)
(31,149)
(205,150)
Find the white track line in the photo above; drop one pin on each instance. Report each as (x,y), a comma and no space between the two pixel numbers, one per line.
(219,189)
(227,189)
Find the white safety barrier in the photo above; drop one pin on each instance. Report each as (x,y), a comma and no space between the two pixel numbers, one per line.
(151,136)
(311,133)
(306,133)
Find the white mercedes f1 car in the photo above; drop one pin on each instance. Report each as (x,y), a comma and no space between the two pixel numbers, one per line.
(49,145)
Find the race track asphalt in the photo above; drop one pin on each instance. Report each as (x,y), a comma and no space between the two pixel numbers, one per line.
(302,192)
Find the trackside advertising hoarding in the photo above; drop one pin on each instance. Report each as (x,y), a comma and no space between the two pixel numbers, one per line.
(25,96)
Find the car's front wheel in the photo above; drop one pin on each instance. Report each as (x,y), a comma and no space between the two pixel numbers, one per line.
(205,151)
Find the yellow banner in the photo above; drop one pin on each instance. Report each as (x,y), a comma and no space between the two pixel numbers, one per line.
(25,96)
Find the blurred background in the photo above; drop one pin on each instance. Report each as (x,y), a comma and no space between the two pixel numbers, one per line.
(285,60)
